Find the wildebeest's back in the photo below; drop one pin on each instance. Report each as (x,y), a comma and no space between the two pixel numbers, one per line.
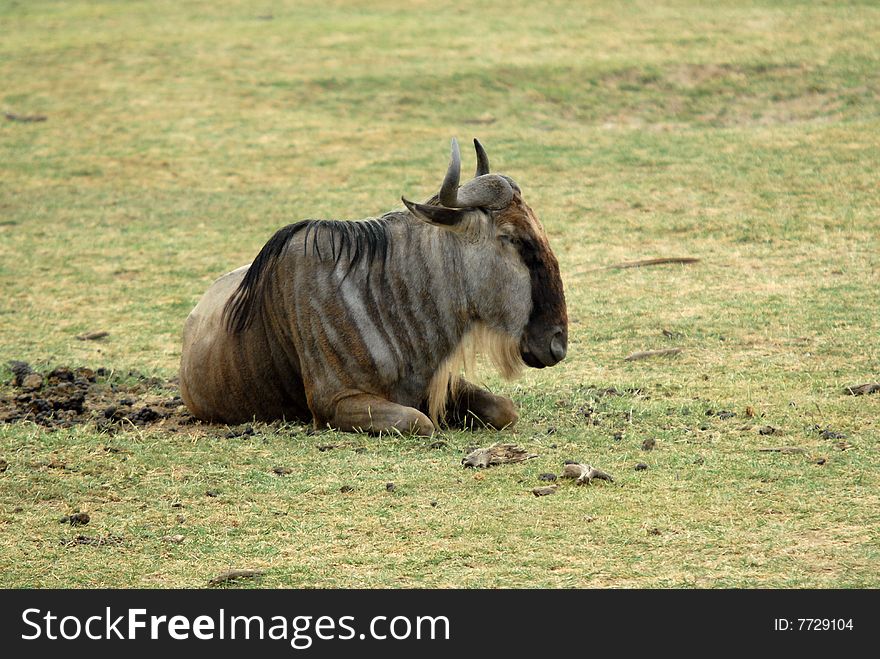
(236,377)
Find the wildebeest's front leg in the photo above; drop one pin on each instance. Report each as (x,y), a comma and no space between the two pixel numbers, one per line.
(475,407)
(368,413)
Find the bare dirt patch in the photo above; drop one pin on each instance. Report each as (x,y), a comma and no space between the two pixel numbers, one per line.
(66,396)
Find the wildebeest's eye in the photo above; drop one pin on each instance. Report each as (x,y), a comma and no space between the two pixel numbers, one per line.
(513,241)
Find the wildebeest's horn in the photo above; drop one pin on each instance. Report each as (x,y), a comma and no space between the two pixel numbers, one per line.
(449,190)
(484,191)
(482,159)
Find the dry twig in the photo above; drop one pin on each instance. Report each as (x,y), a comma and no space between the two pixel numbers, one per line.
(644,262)
(652,353)
(232,575)
(495,455)
(862,389)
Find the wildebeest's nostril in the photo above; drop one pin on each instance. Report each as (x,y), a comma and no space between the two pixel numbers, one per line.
(557,346)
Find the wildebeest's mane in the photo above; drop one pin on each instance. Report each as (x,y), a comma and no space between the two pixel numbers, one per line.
(357,240)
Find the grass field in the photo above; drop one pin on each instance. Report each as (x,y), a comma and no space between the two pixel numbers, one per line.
(180,135)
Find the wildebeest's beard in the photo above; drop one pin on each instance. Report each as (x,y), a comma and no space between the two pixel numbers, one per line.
(545,339)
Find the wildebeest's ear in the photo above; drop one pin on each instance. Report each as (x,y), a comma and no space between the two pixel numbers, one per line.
(439,215)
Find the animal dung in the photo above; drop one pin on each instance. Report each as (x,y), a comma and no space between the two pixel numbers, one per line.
(584,473)
(389,487)
(497,454)
(768,430)
(76,519)
(282,471)
(641,466)
(547,477)
(544,491)
(32,382)
(649,444)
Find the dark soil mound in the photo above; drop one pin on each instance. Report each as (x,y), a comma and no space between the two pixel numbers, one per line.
(65,397)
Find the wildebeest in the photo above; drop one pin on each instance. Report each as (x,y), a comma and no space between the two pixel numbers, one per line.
(366,325)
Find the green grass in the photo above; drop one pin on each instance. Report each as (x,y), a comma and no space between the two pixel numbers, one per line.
(181,135)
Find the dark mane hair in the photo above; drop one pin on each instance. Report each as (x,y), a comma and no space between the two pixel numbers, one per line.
(359,240)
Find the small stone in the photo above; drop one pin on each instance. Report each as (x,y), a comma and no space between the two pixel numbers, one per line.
(618,436)
(211,493)
(345,489)
(767,430)
(3,466)
(177,504)
(173,539)
(282,471)
(389,487)
(544,491)
(181,519)
(547,477)
(433,504)
(641,466)
(821,461)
